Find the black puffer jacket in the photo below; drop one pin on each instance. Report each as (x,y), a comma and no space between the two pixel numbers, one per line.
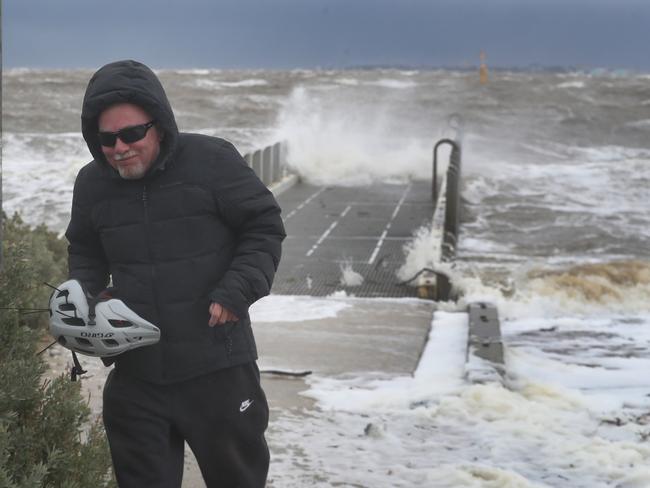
(199,227)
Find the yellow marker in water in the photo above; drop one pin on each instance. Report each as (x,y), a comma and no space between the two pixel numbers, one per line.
(483,71)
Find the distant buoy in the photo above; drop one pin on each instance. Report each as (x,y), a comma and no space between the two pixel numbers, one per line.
(483,71)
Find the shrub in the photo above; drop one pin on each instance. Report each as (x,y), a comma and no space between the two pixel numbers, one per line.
(47,438)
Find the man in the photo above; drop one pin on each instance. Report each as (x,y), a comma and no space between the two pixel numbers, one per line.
(191,238)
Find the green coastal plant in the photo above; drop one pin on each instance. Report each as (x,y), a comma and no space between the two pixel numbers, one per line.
(47,436)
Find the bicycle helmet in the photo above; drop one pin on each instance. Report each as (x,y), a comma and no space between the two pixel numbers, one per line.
(103,329)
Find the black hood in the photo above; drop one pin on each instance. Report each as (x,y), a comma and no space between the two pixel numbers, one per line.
(127,82)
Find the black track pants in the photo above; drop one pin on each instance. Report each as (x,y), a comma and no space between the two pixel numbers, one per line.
(221,415)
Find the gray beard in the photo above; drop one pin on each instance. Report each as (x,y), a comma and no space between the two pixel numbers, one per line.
(132,172)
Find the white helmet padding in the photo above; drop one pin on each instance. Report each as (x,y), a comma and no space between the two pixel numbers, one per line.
(114,329)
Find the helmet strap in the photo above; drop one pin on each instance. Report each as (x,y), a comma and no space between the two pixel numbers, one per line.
(76,370)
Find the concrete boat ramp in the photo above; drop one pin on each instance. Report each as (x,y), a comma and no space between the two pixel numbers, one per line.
(327,228)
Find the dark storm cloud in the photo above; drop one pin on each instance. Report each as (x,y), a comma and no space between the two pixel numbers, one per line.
(334,33)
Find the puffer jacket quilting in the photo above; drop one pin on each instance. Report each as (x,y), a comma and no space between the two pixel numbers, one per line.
(198,228)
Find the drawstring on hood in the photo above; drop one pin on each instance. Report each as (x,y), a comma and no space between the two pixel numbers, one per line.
(128,81)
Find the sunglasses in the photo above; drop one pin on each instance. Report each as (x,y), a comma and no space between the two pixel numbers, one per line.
(128,135)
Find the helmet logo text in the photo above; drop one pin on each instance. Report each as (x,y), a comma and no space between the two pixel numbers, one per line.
(97,335)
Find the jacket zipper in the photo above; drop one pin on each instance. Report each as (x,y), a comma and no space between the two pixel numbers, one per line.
(152,268)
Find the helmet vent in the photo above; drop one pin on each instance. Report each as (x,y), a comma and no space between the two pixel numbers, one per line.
(76,321)
(83,342)
(111,343)
(120,323)
(68,307)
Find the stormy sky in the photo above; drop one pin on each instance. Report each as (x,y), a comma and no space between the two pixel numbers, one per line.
(327,33)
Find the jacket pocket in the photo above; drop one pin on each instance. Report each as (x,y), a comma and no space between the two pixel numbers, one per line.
(223,335)
(237,338)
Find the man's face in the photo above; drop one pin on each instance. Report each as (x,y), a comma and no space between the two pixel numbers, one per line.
(131,160)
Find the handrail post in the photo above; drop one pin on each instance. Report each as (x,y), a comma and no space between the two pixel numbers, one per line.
(267,165)
(451,212)
(277,163)
(256,163)
(434,185)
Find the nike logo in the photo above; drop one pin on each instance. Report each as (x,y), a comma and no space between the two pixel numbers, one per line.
(245,404)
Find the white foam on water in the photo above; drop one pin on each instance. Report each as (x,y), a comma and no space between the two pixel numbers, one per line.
(215,84)
(190,72)
(608,153)
(482,245)
(593,353)
(245,83)
(204,83)
(38,175)
(394,84)
(22,71)
(639,124)
(572,84)
(347,81)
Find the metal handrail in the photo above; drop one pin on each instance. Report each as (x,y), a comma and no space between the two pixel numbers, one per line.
(434,183)
(451,220)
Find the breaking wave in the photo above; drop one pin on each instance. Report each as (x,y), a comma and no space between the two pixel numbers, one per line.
(339,140)
(602,283)
(584,289)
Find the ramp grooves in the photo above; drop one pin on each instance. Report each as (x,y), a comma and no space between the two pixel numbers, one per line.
(363,227)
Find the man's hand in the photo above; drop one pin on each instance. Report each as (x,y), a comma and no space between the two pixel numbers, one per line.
(220,315)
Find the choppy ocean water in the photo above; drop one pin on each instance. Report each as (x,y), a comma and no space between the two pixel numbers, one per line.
(556,183)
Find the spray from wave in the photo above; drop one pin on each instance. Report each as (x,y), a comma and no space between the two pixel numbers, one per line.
(349,277)
(334,139)
(418,252)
